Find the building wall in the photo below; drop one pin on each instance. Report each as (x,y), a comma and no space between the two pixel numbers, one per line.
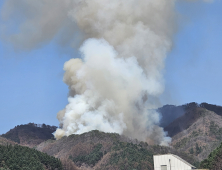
(176,164)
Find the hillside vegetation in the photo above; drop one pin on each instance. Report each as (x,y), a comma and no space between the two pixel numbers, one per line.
(4,141)
(170,113)
(30,134)
(198,131)
(23,158)
(214,160)
(99,150)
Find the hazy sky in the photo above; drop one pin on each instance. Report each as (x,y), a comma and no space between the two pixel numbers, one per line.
(32,90)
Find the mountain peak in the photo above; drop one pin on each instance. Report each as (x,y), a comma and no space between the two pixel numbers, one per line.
(30,134)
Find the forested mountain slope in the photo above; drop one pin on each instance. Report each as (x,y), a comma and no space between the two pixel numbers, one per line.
(30,134)
(99,150)
(171,112)
(198,131)
(185,121)
(23,158)
(4,141)
(202,136)
(214,160)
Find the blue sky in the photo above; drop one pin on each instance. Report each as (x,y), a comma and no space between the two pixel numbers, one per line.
(193,68)
(32,89)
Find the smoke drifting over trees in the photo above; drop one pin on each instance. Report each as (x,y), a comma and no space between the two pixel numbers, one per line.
(115,85)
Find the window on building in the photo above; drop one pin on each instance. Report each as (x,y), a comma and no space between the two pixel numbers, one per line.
(163,167)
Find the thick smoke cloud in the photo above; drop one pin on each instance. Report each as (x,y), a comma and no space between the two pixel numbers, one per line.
(115,85)
(29,24)
(121,69)
(109,94)
(208,1)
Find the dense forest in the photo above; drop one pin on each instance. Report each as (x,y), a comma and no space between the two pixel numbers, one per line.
(23,158)
(122,156)
(130,156)
(214,160)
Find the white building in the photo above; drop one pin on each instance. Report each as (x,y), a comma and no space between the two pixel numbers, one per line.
(171,162)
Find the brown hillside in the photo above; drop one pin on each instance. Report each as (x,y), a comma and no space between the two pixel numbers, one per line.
(99,150)
(4,141)
(214,160)
(202,136)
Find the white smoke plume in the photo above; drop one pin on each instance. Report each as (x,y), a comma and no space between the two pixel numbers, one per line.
(115,85)
(121,70)
(110,94)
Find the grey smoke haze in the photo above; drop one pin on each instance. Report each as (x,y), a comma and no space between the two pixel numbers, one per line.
(115,85)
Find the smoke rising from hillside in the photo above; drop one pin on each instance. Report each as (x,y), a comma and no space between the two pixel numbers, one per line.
(115,85)
(121,66)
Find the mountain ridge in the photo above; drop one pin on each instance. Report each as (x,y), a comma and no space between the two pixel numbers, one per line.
(171,112)
(109,149)
(30,134)
(195,131)
(198,132)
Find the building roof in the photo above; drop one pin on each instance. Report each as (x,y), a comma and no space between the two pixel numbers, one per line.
(179,159)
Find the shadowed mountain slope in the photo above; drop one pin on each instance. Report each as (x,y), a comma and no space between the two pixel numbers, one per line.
(184,122)
(170,113)
(30,134)
(214,108)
